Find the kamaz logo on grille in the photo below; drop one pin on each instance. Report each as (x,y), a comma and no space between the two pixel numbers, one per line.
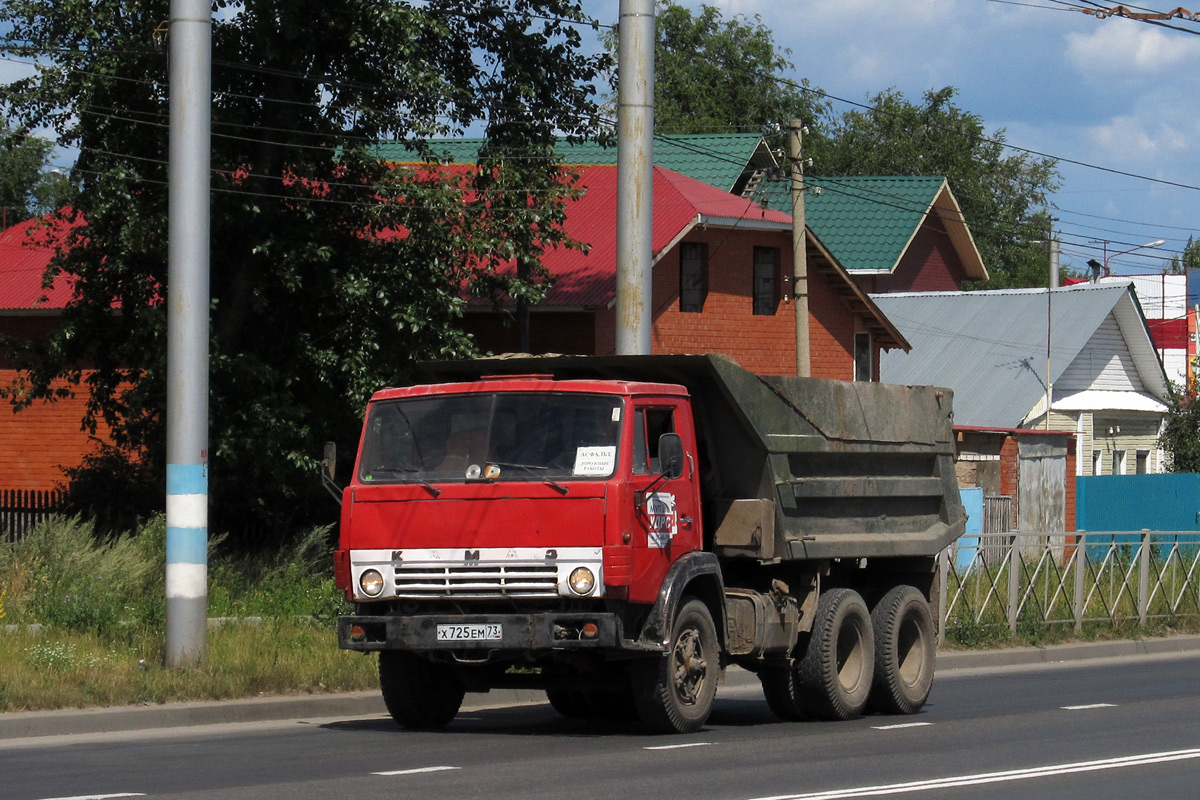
(471,556)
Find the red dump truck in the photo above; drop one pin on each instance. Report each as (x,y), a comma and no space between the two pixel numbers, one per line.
(617,531)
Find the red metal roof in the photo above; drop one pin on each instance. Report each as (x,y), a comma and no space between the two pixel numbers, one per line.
(590,279)
(582,279)
(25,252)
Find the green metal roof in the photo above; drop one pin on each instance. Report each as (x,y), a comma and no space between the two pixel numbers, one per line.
(715,159)
(865,222)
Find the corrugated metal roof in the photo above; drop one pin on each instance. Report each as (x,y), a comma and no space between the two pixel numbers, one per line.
(990,347)
(715,159)
(25,252)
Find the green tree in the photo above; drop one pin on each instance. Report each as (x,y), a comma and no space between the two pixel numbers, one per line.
(717,75)
(1190,258)
(331,271)
(27,184)
(1003,195)
(1180,437)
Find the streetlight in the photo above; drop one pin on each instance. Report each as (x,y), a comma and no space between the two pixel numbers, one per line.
(1097,266)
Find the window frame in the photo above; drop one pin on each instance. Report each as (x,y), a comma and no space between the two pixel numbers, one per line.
(693,253)
(861,353)
(759,302)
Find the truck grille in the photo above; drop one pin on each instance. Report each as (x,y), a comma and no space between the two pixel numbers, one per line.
(485,580)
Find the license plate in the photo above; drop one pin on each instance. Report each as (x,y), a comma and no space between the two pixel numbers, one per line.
(488,631)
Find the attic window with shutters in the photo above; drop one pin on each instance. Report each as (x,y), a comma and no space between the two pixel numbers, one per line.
(766,280)
(693,276)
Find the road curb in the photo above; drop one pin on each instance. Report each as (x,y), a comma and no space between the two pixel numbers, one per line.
(34,724)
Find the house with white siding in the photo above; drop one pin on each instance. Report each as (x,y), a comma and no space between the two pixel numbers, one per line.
(1107,386)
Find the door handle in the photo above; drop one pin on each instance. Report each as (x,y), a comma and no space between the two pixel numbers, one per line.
(685,522)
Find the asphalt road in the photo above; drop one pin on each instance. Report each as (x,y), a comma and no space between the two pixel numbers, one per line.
(1110,728)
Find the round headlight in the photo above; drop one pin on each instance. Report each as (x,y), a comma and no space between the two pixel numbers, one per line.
(371,583)
(582,581)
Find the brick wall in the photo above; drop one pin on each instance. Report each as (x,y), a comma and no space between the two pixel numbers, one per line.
(761,343)
(37,442)
(765,344)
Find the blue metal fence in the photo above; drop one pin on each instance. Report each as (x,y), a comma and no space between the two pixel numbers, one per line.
(1167,502)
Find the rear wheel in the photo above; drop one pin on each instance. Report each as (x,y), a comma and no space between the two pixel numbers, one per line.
(905,650)
(781,687)
(674,693)
(833,674)
(418,693)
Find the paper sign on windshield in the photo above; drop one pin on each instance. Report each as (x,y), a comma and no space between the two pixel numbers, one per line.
(595,461)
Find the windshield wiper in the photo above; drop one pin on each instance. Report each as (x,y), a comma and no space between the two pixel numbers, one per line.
(429,487)
(533,469)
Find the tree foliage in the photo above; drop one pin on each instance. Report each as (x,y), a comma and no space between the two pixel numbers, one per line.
(1180,436)
(1189,259)
(28,185)
(717,75)
(331,271)
(1003,195)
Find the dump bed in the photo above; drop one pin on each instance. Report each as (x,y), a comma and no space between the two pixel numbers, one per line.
(795,468)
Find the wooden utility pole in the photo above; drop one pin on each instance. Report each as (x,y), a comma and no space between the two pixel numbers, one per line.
(799,253)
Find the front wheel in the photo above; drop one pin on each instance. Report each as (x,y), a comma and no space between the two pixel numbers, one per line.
(674,693)
(418,693)
(905,649)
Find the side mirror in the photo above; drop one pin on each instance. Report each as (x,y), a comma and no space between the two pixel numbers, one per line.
(328,467)
(670,455)
(329,460)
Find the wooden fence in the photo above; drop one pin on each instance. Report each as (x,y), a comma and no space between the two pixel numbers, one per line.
(21,510)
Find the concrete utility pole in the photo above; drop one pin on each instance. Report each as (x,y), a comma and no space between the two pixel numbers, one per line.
(799,252)
(635,175)
(187,333)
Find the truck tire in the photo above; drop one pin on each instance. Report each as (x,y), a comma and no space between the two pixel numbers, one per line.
(781,687)
(571,703)
(417,693)
(674,692)
(905,650)
(833,674)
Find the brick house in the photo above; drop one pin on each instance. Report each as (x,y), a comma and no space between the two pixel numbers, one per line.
(721,284)
(37,442)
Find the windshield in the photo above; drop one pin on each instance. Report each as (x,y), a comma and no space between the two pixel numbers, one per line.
(497,436)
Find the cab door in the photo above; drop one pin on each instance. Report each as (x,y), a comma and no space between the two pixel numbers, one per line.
(666,512)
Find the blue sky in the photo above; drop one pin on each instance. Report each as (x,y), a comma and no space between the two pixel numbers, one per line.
(1114,93)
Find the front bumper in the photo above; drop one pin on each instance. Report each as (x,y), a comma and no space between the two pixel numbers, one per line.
(520,633)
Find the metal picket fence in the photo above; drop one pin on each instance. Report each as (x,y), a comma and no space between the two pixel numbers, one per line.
(1069,579)
(21,510)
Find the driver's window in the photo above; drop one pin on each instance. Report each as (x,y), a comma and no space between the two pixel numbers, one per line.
(648,425)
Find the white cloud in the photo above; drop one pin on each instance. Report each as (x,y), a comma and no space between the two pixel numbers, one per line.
(1121,50)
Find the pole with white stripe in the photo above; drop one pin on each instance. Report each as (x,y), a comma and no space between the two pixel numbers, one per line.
(187,333)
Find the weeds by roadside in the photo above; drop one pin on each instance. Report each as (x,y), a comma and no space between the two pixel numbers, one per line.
(83,621)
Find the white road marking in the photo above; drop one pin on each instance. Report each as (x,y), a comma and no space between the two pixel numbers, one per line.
(900,725)
(1088,707)
(678,746)
(98,796)
(1048,771)
(414,771)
